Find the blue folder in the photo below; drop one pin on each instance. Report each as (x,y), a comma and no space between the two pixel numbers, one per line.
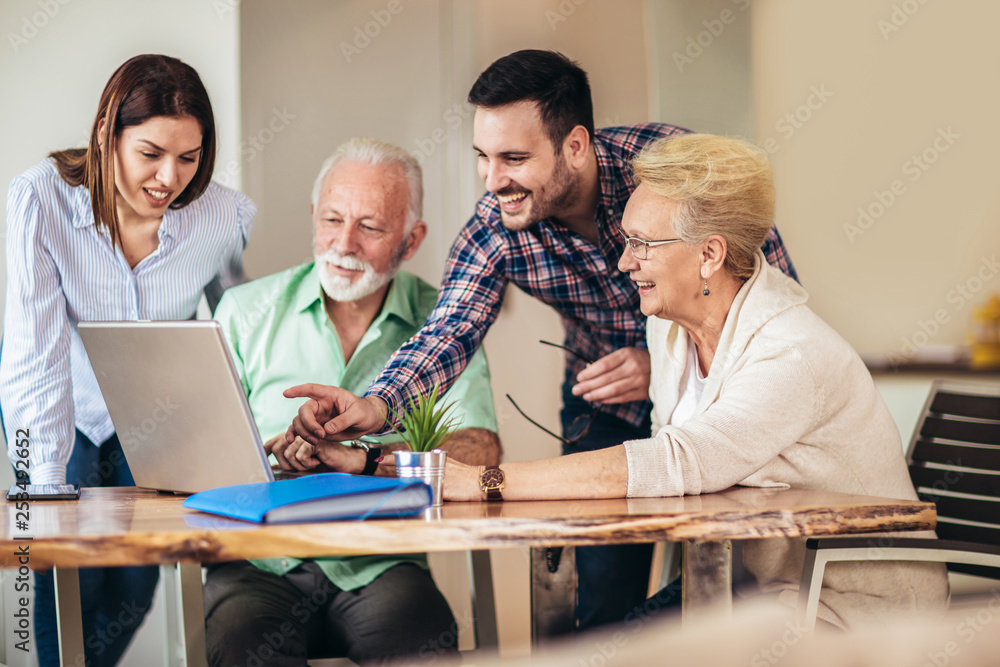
(319,497)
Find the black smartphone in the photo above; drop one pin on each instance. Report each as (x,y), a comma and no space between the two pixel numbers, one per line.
(43,492)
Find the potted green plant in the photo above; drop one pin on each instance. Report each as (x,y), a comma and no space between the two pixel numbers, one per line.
(426,424)
(423,427)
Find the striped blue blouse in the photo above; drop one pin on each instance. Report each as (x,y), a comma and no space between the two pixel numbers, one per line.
(63,269)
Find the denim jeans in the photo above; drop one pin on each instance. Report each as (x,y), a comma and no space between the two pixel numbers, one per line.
(611,580)
(114,600)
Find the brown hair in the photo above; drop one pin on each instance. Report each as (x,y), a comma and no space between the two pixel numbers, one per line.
(143,87)
(554,82)
(723,185)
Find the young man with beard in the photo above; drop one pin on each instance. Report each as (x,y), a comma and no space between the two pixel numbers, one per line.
(549,223)
(339,319)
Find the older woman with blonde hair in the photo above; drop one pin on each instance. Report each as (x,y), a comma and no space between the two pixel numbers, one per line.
(749,386)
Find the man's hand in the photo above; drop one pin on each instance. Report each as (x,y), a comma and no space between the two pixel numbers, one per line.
(619,377)
(301,455)
(295,455)
(332,413)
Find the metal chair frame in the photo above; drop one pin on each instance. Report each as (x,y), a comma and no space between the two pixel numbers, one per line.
(954,461)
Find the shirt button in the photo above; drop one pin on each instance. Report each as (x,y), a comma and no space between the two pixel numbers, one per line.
(284,563)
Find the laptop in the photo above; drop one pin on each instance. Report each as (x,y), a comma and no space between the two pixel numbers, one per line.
(177,404)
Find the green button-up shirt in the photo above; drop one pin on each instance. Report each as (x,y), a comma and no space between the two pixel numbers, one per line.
(280,336)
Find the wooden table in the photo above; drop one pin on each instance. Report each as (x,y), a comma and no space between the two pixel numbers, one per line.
(127,526)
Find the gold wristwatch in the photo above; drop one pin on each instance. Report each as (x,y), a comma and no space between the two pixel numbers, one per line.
(492,481)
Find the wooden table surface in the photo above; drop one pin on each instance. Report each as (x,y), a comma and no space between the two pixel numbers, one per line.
(127,526)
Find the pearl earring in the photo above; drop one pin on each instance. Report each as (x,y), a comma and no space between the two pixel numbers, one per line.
(705,291)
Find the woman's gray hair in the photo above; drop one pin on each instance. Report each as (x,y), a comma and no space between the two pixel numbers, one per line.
(377,153)
(723,185)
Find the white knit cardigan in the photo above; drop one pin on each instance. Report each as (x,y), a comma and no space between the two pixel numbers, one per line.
(787,403)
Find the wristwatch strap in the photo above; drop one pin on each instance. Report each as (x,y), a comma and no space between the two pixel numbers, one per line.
(373,456)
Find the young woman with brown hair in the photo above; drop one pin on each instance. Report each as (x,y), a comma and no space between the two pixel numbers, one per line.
(129,228)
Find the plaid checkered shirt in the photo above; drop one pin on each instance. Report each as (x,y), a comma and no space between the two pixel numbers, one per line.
(598,303)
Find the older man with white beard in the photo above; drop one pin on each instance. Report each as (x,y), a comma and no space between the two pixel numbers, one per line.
(337,320)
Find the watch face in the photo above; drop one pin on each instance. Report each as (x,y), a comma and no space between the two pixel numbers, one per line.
(492,478)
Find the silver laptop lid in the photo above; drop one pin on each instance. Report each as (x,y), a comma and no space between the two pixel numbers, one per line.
(176,403)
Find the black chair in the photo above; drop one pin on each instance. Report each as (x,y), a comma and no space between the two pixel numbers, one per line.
(954,461)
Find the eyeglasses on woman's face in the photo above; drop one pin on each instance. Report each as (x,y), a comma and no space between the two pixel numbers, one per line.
(640,247)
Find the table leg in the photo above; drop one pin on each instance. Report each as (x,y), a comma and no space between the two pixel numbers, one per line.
(553,592)
(707,579)
(484,608)
(185,613)
(69,617)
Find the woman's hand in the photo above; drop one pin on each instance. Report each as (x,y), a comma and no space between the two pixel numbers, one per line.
(461,482)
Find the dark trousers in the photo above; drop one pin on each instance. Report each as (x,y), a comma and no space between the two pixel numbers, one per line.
(611,580)
(114,600)
(256,618)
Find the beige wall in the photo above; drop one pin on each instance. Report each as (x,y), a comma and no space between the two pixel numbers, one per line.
(699,55)
(892,94)
(293,59)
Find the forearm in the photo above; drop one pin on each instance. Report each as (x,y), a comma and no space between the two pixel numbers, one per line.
(472,446)
(438,353)
(434,357)
(598,474)
(36,391)
(39,416)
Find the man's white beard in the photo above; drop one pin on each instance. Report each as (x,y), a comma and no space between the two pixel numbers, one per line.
(340,288)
